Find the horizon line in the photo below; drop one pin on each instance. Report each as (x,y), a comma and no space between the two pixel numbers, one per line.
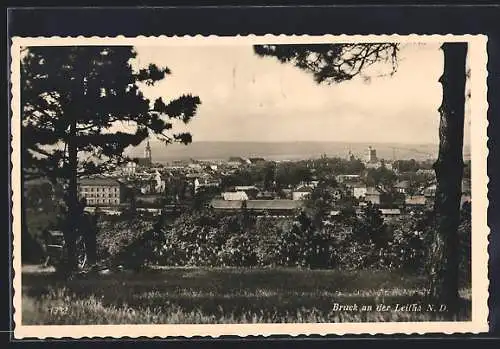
(307,141)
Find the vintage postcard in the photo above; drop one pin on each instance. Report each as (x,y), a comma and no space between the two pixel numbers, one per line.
(250,185)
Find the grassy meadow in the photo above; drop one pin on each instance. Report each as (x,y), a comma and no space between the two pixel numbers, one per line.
(226,295)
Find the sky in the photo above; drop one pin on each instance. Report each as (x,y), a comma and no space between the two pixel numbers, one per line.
(250,98)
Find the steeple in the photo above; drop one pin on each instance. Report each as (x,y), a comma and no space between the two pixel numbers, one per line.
(147,152)
(350,156)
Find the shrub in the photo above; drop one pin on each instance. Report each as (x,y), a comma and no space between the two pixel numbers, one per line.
(114,237)
(239,251)
(209,239)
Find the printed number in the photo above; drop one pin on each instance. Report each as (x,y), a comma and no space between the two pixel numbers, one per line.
(61,310)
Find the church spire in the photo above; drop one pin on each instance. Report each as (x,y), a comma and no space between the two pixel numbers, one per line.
(147,152)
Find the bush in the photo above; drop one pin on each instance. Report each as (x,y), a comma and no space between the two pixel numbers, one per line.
(214,240)
(207,239)
(239,251)
(114,237)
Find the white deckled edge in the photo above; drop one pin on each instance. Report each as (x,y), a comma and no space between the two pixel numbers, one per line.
(478,59)
(201,40)
(15,127)
(479,205)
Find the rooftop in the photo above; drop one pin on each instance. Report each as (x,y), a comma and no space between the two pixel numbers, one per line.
(245,187)
(372,191)
(416,200)
(257,204)
(273,204)
(226,204)
(390,211)
(235,196)
(403,184)
(304,189)
(99,181)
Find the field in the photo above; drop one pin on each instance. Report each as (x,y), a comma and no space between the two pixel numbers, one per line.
(229,295)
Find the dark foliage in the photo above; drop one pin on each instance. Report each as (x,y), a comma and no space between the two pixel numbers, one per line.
(96,87)
(204,238)
(75,100)
(332,63)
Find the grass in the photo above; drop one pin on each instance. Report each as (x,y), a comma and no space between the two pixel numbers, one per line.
(229,295)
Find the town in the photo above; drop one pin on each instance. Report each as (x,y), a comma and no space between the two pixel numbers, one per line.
(271,188)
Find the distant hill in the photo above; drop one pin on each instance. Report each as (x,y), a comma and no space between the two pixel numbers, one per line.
(286,150)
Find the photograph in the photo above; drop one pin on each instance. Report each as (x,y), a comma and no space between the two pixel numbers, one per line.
(280,184)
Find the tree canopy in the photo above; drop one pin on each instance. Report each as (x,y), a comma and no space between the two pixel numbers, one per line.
(77,104)
(333,63)
(97,89)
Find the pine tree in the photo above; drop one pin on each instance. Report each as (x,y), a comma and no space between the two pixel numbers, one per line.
(74,100)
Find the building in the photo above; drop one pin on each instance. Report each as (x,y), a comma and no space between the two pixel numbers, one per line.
(246,188)
(204,183)
(130,168)
(287,193)
(101,191)
(371,155)
(430,173)
(258,161)
(335,213)
(159,183)
(195,166)
(388,213)
(430,191)
(235,161)
(235,196)
(151,183)
(258,207)
(266,195)
(179,163)
(373,165)
(147,160)
(372,195)
(149,200)
(251,190)
(416,200)
(147,153)
(301,193)
(342,178)
(359,191)
(387,165)
(402,187)
(350,156)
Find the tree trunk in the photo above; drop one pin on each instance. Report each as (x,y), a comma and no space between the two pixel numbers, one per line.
(26,239)
(70,233)
(449,171)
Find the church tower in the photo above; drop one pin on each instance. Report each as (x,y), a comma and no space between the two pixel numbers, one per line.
(147,153)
